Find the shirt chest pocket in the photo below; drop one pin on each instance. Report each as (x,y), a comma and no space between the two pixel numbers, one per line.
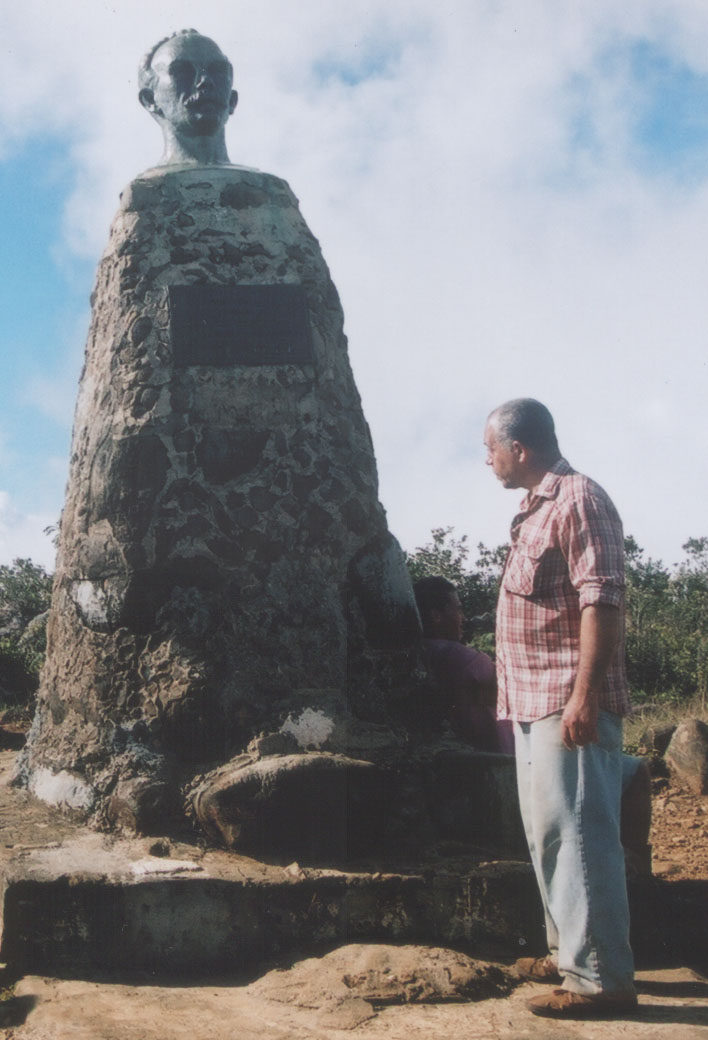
(534,570)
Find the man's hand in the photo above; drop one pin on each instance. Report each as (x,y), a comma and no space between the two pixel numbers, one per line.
(580,720)
(599,633)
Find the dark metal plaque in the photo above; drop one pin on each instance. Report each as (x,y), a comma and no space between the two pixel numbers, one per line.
(239,325)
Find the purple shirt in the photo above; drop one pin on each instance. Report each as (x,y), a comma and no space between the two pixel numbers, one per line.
(462,674)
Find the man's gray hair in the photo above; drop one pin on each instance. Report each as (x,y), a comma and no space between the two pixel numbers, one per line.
(527,421)
(146,77)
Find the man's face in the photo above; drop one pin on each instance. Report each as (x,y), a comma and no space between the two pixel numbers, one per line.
(192,89)
(448,621)
(453,617)
(503,458)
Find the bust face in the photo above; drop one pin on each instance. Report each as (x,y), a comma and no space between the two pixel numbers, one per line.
(192,86)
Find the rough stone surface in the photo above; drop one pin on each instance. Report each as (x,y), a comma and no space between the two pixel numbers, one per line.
(224,562)
(327,804)
(687,755)
(380,975)
(315,805)
(656,738)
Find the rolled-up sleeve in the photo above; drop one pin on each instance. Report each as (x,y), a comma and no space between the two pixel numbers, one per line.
(594,549)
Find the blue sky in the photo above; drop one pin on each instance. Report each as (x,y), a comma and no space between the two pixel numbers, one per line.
(670,130)
(511,196)
(42,293)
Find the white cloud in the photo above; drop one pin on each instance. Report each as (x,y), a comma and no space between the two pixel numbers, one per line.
(22,535)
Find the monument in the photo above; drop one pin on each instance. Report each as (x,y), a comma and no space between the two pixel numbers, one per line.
(225,572)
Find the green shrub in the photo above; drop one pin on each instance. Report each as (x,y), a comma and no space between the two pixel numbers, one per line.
(25,593)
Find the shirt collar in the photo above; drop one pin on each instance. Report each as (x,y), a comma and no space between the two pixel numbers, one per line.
(548,488)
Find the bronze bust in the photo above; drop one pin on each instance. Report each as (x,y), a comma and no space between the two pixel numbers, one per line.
(186,85)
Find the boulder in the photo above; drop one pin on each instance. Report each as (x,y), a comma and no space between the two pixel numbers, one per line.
(140,805)
(656,738)
(687,755)
(310,806)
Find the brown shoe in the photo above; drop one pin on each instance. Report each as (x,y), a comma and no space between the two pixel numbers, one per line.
(562,1003)
(538,969)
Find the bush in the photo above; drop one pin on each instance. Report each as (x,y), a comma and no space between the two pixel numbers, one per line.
(25,593)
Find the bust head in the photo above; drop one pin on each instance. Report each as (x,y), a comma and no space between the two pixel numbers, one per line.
(186,85)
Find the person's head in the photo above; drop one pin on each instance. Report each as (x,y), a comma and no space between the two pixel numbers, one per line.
(521,443)
(185,82)
(439,608)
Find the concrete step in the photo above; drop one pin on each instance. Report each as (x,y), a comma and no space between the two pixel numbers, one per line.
(74,902)
(88,904)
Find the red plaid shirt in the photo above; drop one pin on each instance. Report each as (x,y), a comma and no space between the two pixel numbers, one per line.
(567,551)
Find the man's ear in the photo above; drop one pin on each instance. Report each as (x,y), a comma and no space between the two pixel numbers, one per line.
(233,101)
(519,451)
(146,97)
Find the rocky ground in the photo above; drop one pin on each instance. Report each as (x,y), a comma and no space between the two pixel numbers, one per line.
(679,832)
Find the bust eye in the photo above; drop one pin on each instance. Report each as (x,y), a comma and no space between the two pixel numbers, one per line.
(219,71)
(182,72)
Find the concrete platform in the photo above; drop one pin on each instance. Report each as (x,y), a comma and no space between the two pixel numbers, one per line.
(75,902)
(88,904)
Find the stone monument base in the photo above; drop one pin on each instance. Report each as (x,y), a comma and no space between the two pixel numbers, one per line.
(76,902)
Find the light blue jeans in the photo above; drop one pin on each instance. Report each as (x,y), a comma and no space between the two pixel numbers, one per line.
(570,805)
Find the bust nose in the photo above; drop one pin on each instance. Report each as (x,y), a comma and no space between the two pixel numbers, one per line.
(203,78)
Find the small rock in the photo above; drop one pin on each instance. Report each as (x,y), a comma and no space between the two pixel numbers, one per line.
(161,847)
(346,1014)
(273,744)
(687,755)
(140,805)
(656,738)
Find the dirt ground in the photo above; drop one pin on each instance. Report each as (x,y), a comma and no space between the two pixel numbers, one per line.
(672,1002)
(679,833)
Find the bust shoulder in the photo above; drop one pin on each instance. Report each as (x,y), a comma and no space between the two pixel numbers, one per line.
(237,187)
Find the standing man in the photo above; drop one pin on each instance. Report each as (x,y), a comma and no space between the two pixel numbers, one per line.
(560,673)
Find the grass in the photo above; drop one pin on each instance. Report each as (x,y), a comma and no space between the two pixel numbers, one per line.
(665,713)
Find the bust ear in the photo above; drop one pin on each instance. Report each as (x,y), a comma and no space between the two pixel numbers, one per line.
(146,97)
(233,101)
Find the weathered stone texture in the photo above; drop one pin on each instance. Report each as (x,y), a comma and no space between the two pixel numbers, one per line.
(687,755)
(380,975)
(222,547)
(317,806)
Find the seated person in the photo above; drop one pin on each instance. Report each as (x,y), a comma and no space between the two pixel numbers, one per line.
(467,686)
(465,677)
